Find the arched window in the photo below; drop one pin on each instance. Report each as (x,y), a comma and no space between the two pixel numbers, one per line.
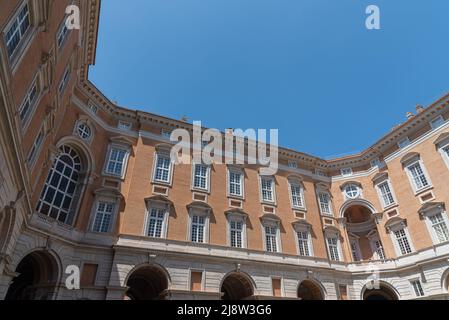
(60,188)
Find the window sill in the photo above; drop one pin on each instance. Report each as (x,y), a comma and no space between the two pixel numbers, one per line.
(205,191)
(391,206)
(161,183)
(110,175)
(421,191)
(232,196)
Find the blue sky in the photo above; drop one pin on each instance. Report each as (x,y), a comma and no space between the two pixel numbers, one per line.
(307,67)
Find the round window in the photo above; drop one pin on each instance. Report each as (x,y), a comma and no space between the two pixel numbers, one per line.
(352,191)
(84,131)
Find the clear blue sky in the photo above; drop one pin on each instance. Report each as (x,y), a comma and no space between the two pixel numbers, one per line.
(307,67)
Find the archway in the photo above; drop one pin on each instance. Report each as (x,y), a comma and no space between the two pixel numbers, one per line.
(382,293)
(309,290)
(37,279)
(147,283)
(237,286)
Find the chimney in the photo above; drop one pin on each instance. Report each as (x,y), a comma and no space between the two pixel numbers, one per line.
(409,115)
(419,108)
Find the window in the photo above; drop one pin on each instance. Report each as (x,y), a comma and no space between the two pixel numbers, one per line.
(437,122)
(403,143)
(418,176)
(386,194)
(346,172)
(375,163)
(271,238)
(355,250)
(297,195)
(292,164)
(59,189)
(35,147)
(402,241)
(439,227)
(166,133)
(163,167)
(332,244)
(62,34)
(65,80)
(197,228)
(417,287)
(200,176)
(320,173)
(16,32)
(155,222)
(235,183)
(378,249)
(324,200)
(123,125)
(303,243)
(116,162)
(103,216)
(93,108)
(352,191)
(29,103)
(84,131)
(267,189)
(236,233)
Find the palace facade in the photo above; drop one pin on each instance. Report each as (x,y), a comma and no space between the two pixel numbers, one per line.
(87,183)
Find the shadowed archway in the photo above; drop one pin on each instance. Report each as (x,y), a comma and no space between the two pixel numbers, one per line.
(147,283)
(309,290)
(382,293)
(237,286)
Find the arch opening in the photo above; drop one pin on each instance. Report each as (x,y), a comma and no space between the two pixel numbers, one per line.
(308,290)
(147,283)
(236,286)
(37,279)
(383,293)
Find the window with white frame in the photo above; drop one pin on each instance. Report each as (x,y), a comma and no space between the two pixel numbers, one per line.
(403,243)
(37,143)
(418,176)
(325,205)
(378,249)
(386,194)
(197,228)
(62,34)
(236,233)
(93,108)
(267,186)
(437,122)
(303,237)
(292,164)
(375,163)
(235,183)
(17,30)
(417,287)
(352,191)
(116,161)
(29,103)
(271,238)
(155,222)
(201,176)
(333,247)
(297,195)
(103,217)
(64,80)
(404,143)
(123,125)
(439,227)
(84,131)
(346,172)
(162,170)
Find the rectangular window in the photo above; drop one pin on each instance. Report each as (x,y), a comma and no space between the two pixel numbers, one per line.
(439,227)
(200,176)
(197,229)
(437,122)
(123,125)
(166,133)
(64,80)
(236,230)
(379,249)
(103,217)
(375,163)
(332,244)
(155,222)
(163,165)
(446,150)
(62,34)
(17,30)
(235,183)
(93,108)
(267,189)
(116,162)
(271,238)
(297,197)
(404,143)
(292,164)
(418,176)
(402,240)
(196,279)
(324,203)
(387,195)
(277,287)
(417,287)
(29,103)
(35,147)
(346,172)
(303,243)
